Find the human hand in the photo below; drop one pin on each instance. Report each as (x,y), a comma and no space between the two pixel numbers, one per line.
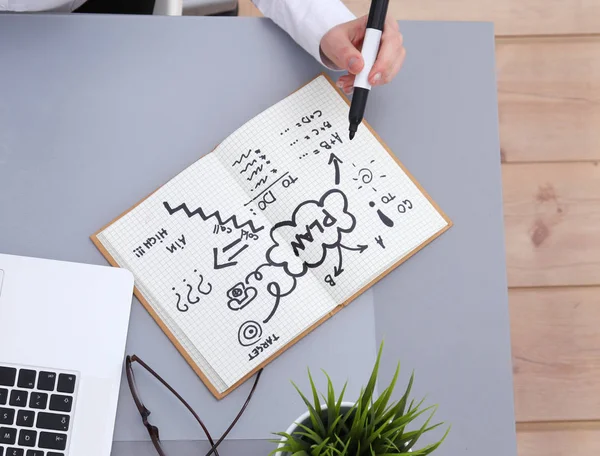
(342,46)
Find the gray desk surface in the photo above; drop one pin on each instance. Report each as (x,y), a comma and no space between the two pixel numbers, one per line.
(96,112)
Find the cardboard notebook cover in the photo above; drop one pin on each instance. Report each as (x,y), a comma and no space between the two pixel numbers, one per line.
(274,355)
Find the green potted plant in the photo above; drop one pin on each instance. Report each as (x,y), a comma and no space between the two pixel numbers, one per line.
(369,426)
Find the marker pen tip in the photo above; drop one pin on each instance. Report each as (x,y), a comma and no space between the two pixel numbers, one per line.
(351,135)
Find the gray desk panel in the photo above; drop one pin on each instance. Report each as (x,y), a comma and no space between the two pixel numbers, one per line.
(102,110)
(451,301)
(101,130)
(275,400)
(194,448)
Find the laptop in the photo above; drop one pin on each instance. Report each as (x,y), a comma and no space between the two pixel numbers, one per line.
(63,329)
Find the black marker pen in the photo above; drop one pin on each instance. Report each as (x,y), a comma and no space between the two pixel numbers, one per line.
(370,48)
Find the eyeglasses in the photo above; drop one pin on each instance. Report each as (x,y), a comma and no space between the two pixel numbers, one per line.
(145,412)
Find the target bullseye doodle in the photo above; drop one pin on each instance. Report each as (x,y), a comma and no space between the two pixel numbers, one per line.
(249,333)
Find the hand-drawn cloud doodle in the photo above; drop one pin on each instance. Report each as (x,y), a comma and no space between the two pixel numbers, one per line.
(316,226)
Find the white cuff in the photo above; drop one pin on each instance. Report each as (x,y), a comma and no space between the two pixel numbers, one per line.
(307,21)
(323,16)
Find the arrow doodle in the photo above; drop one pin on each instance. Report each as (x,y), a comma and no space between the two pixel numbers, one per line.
(336,163)
(359,248)
(225,249)
(337,270)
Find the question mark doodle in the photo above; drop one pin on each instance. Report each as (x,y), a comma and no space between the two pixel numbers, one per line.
(185,307)
(200,284)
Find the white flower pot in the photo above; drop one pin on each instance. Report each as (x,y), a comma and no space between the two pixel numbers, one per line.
(305,420)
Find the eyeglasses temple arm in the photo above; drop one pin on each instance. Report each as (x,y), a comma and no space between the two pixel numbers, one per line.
(178,396)
(214,448)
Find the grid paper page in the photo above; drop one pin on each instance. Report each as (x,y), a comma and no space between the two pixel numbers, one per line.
(346,210)
(190,348)
(198,256)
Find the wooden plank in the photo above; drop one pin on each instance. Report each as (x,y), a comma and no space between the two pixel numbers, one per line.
(247,8)
(510,17)
(548,439)
(556,353)
(552,223)
(549,99)
(549,93)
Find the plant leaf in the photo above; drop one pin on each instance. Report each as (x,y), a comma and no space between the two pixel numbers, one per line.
(343,445)
(421,430)
(317,404)
(317,450)
(331,405)
(405,419)
(430,448)
(291,445)
(310,433)
(408,436)
(394,412)
(338,406)
(397,454)
(368,393)
(381,403)
(373,426)
(315,418)
(406,394)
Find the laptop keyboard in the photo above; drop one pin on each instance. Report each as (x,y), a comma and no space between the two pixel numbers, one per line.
(36,410)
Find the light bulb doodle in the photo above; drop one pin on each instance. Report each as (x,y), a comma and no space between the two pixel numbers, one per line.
(365,176)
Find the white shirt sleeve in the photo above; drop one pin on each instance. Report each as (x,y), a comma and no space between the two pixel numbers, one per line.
(306,21)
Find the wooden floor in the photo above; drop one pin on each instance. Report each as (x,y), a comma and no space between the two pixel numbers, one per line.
(548,69)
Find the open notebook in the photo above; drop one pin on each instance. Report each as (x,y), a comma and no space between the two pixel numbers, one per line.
(264,238)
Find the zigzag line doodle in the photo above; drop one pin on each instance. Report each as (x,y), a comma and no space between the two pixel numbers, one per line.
(248,166)
(233,219)
(242,157)
(260,182)
(255,172)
